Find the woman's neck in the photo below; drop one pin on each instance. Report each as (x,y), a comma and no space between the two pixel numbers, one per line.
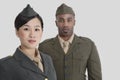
(27,51)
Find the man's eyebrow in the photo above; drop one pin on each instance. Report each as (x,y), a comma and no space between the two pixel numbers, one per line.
(70,17)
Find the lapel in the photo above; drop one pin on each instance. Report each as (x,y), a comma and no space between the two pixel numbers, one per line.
(25,62)
(56,45)
(45,63)
(75,44)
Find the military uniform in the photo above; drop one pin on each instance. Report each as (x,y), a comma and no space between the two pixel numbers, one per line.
(81,55)
(20,67)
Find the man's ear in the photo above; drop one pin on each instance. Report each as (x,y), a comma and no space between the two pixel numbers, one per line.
(56,22)
(74,22)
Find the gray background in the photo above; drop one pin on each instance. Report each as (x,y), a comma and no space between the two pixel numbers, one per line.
(96,19)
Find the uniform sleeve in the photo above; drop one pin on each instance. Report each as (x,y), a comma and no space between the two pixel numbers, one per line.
(94,65)
(3,73)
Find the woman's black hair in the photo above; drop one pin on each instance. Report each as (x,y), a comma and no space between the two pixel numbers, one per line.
(21,20)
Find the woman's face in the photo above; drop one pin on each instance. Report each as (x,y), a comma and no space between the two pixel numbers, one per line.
(30,33)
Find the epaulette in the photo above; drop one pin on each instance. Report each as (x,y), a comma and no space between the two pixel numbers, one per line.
(6,58)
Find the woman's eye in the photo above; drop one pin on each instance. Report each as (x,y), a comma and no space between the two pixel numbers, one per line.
(26,29)
(37,29)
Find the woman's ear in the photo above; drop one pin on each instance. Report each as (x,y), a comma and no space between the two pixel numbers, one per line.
(16,31)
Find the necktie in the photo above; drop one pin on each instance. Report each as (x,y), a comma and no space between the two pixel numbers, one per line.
(65,46)
(38,62)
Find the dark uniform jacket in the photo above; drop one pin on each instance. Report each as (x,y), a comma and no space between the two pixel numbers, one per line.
(20,67)
(81,55)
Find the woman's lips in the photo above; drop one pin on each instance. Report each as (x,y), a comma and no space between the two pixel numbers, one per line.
(31,41)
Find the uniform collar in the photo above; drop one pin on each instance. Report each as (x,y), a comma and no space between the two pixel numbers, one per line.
(70,39)
(29,56)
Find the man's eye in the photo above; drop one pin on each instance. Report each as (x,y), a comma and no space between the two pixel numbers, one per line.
(69,20)
(61,20)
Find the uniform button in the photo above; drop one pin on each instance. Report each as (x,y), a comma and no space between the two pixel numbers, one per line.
(46,78)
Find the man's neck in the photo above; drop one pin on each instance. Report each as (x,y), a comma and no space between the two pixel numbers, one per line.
(66,38)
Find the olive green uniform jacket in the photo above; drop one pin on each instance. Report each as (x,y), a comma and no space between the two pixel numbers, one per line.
(81,55)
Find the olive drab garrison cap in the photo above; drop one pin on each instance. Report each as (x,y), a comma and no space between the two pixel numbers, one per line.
(24,16)
(64,9)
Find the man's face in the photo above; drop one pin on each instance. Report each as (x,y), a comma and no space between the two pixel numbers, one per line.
(65,24)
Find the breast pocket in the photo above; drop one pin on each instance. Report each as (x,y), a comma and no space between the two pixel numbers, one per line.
(80,62)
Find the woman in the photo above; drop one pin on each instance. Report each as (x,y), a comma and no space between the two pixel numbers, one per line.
(28,63)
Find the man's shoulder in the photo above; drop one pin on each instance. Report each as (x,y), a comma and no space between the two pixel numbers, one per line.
(47,41)
(84,39)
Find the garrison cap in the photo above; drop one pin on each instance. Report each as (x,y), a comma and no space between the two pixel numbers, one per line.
(24,16)
(64,9)
(28,11)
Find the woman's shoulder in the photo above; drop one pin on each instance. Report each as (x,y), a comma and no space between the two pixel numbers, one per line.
(45,55)
(5,60)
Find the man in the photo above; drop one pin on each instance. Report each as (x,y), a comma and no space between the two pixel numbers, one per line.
(71,61)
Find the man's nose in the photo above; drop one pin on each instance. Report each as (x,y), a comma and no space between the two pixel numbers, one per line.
(65,23)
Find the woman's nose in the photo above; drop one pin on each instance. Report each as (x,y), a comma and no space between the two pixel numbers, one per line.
(32,33)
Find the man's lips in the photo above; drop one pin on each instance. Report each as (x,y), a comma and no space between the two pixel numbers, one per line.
(65,30)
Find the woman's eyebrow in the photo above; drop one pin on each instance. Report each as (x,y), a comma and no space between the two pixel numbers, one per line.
(26,25)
